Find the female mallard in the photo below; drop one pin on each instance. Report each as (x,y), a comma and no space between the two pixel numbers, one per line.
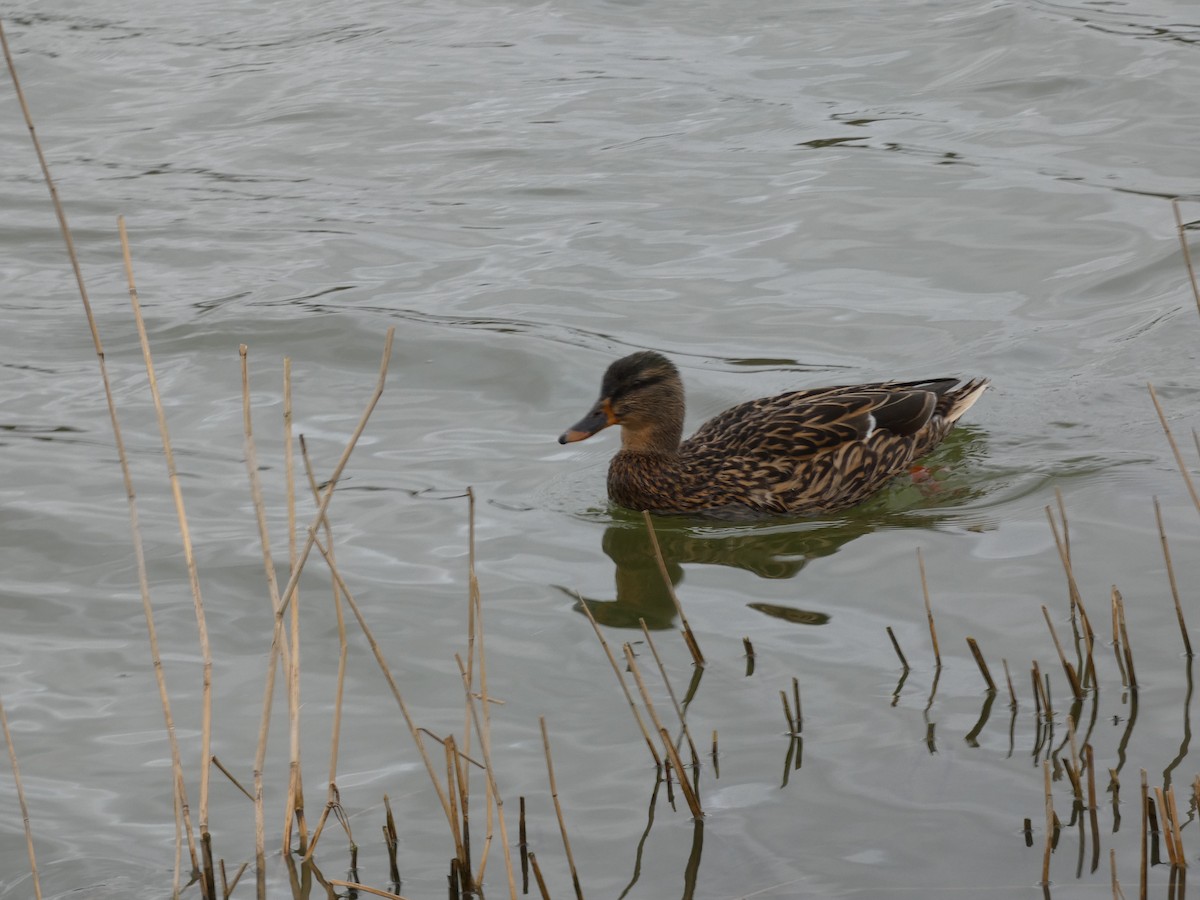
(809,451)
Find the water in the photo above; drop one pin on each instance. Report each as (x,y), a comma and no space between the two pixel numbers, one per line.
(775,195)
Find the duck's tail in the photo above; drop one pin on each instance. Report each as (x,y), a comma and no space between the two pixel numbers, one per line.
(963,398)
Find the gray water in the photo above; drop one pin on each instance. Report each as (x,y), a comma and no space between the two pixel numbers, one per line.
(775,195)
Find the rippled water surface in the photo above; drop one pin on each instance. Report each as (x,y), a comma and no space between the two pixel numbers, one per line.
(775,194)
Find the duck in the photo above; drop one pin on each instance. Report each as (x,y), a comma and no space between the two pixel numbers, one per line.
(804,452)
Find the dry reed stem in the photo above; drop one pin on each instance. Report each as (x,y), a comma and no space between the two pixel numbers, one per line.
(1062,514)
(1076,689)
(16,770)
(237,784)
(688,635)
(355,886)
(537,874)
(183,816)
(485,745)
(180,792)
(787,712)
(979,661)
(185,536)
(208,888)
(937,656)
(621,680)
(1187,253)
(631,662)
(1116,630)
(1064,554)
(1117,893)
(1119,602)
(1162,534)
(796,697)
(343,654)
(452,773)
(237,876)
(1168,832)
(294,806)
(562,824)
(689,792)
(1175,826)
(279,648)
(1162,418)
(475,620)
(670,690)
(1090,760)
(1012,694)
(896,646)
(1049,823)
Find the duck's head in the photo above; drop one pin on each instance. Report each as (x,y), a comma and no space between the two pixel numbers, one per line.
(644,395)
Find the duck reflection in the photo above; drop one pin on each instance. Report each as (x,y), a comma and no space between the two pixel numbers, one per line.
(771,549)
(768,553)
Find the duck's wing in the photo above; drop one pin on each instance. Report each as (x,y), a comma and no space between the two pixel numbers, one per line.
(799,423)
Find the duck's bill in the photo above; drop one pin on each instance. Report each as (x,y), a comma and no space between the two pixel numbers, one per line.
(598,419)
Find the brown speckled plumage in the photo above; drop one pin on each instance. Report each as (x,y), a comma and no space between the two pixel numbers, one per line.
(802,452)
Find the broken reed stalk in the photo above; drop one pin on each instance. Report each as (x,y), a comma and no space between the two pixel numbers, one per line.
(1168,832)
(1119,603)
(749,648)
(452,772)
(230,886)
(1040,694)
(1162,534)
(232,779)
(1162,418)
(979,661)
(208,886)
(1116,638)
(183,821)
(688,792)
(1049,823)
(260,513)
(16,770)
(621,680)
(787,712)
(896,646)
(391,840)
(937,656)
(1012,694)
(1062,514)
(1090,762)
(689,636)
(1063,544)
(670,690)
(1072,678)
(537,874)
(343,654)
(796,697)
(485,746)
(1187,253)
(562,824)
(1175,826)
(294,805)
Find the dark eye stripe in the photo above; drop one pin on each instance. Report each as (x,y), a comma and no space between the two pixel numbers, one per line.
(639,385)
